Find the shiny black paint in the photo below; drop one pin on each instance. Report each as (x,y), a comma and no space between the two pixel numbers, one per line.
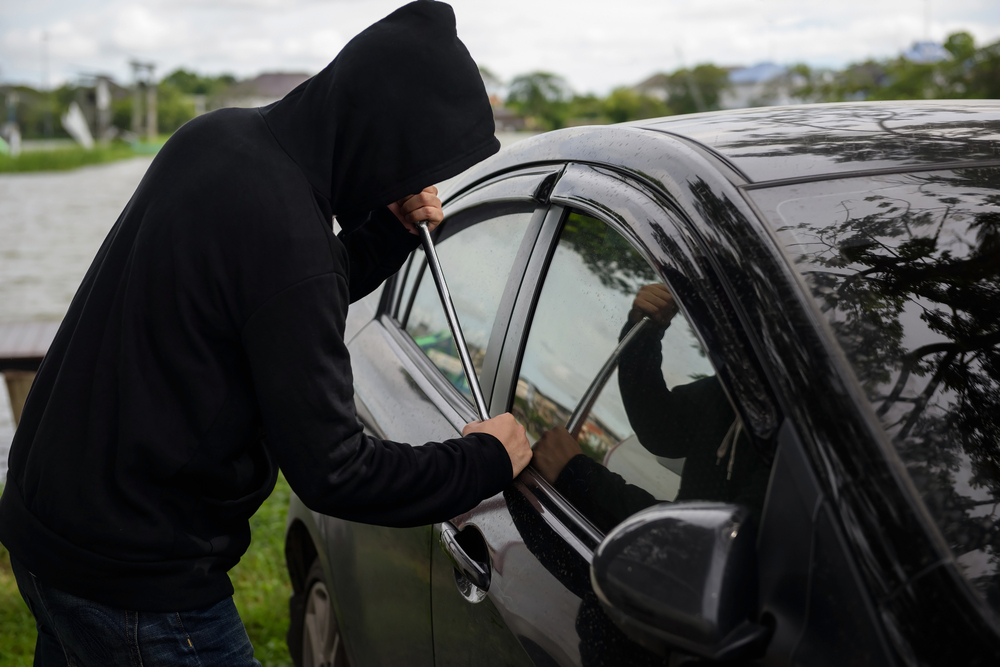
(657,225)
(810,142)
(466,635)
(864,535)
(556,535)
(775,143)
(810,590)
(683,575)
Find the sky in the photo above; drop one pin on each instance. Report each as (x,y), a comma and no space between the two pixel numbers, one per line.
(595,45)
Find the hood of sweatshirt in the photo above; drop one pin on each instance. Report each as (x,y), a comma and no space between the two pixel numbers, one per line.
(401,107)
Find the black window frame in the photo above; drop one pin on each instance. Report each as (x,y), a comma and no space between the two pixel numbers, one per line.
(502,193)
(600,192)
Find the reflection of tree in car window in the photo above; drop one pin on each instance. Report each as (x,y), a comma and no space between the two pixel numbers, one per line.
(906,269)
(693,421)
(641,429)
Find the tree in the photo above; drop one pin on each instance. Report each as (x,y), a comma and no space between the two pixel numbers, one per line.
(542,96)
(698,89)
(625,104)
(971,72)
(191,83)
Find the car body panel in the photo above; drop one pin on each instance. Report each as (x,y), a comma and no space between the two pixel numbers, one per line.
(834,572)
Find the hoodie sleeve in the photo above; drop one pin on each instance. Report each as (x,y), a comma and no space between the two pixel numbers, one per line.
(301,371)
(376,249)
(669,422)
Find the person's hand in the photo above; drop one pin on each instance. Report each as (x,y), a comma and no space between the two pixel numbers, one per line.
(425,205)
(553,452)
(511,434)
(657,302)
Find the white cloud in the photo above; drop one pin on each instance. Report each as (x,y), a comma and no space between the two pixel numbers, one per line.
(138,29)
(321,44)
(594,44)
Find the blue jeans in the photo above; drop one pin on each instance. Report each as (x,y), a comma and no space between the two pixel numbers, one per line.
(75,632)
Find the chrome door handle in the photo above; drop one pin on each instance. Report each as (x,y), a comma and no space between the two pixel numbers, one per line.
(476,572)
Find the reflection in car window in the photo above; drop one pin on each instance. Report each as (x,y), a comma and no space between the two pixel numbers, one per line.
(476,263)
(662,428)
(906,269)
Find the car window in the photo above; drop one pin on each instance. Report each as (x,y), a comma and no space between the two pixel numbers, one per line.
(662,427)
(476,255)
(906,270)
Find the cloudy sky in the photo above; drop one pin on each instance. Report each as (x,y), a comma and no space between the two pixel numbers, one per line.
(596,45)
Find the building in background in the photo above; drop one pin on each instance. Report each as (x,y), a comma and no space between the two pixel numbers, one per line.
(258,91)
(761,85)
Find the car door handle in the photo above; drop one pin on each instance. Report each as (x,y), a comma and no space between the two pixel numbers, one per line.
(475,571)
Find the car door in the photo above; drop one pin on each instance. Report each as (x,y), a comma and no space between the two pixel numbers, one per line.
(604,239)
(406,389)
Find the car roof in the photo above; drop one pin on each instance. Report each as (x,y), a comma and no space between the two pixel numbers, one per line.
(773,144)
(776,143)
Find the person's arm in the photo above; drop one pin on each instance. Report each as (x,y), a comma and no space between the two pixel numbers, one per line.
(380,245)
(376,249)
(667,422)
(603,496)
(301,372)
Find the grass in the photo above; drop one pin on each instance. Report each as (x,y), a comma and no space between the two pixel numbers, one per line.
(17,640)
(71,158)
(260,579)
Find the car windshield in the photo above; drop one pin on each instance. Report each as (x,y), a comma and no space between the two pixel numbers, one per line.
(906,270)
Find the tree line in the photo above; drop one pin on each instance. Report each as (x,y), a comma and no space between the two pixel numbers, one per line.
(971,72)
(548,102)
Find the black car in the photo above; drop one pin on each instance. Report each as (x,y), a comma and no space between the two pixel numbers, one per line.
(802,468)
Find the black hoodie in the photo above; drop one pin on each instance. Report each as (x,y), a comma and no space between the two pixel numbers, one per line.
(204,348)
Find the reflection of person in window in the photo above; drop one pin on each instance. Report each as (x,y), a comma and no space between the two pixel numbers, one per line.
(693,421)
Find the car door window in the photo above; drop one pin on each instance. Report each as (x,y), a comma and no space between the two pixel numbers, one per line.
(476,255)
(662,427)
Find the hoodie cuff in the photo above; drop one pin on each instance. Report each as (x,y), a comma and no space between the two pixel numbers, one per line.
(497,471)
(398,239)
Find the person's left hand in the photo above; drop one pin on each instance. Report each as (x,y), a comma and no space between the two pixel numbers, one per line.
(553,452)
(422,206)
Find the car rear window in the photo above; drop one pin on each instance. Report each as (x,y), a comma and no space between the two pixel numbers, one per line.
(906,270)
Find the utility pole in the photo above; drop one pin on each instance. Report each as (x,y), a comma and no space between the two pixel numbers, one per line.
(45,60)
(142,75)
(47,115)
(102,100)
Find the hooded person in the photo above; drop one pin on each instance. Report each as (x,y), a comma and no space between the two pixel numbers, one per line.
(204,350)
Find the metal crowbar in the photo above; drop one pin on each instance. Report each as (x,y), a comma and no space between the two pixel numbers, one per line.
(456,328)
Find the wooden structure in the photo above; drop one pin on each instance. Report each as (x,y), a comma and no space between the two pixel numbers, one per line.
(22,346)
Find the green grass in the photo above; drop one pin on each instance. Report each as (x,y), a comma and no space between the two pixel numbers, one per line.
(260,579)
(71,158)
(17,640)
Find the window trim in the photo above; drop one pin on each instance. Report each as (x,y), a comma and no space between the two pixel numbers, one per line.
(560,514)
(508,191)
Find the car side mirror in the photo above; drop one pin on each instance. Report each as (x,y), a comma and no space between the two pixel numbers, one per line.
(684,576)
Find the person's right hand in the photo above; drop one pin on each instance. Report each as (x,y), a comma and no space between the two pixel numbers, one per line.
(510,434)
(657,302)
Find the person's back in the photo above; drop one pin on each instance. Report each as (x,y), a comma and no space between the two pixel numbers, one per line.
(164,457)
